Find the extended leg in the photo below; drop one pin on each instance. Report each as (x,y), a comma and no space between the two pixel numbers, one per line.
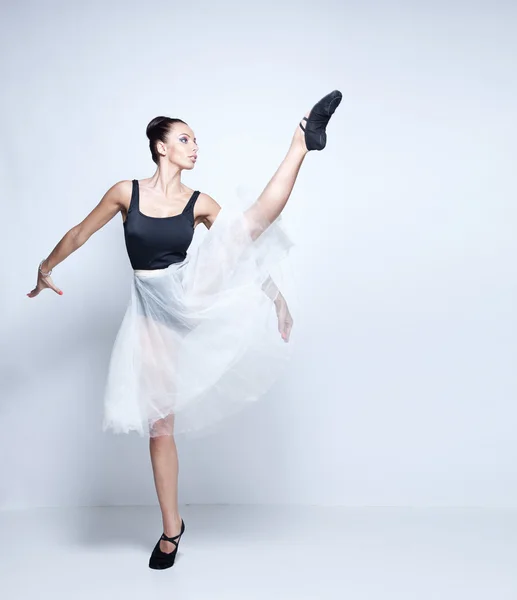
(311,137)
(273,199)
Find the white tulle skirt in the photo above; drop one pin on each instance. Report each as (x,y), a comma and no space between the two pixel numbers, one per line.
(200,339)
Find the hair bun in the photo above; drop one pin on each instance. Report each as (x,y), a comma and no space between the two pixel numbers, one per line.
(158,130)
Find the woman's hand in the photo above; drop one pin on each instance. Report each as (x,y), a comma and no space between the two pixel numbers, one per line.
(44,282)
(285,321)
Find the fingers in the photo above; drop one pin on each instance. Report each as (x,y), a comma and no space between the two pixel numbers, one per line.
(288,327)
(48,283)
(285,330)
(53,286)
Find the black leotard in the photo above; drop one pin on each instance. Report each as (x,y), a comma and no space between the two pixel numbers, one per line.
(157,242)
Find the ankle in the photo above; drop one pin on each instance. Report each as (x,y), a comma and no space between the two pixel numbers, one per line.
(298,146)
(171,525)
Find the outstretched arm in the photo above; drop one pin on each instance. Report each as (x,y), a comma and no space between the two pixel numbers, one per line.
(206,211)
(271,290)
(111,203)
(285,320)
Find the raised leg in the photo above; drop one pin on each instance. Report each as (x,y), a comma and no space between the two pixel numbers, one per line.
(311,136)
(273,199)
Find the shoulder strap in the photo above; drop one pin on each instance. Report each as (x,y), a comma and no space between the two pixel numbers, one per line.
(192,201)
(189,208)
(135,199)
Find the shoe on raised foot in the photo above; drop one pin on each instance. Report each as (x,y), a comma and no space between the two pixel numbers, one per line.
(319,116)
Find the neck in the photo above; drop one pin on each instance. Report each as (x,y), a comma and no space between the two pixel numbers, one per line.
(167,180)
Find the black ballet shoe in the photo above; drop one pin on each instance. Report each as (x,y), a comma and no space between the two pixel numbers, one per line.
(164,560)
(315,129)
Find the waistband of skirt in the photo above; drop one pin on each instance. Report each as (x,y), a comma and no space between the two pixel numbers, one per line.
(148,272)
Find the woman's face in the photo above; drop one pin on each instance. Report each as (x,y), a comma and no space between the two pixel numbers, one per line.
(181,146)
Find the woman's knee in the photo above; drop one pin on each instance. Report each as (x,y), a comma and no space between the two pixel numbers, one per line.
(162,428)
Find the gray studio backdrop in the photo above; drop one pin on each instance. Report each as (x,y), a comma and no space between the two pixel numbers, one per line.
(402,387)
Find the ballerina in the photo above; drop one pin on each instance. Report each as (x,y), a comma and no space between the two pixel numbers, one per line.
(196,342)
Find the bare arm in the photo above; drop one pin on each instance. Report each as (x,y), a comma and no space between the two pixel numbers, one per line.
(271,290)
(110,204)
(208,209)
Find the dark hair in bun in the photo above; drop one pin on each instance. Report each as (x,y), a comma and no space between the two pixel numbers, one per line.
(157,131)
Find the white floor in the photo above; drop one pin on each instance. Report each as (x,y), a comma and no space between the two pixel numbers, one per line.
(253,552)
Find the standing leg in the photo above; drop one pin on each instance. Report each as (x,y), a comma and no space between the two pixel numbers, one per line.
(157,364)
(164,459)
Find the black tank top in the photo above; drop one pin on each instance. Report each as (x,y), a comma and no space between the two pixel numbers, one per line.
(157,242)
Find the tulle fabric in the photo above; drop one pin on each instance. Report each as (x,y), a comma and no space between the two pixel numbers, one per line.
(200,339)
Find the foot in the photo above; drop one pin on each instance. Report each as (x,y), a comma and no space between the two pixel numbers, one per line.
(173,529)
(312,128)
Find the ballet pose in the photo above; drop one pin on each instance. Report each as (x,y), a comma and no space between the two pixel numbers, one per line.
(196,342)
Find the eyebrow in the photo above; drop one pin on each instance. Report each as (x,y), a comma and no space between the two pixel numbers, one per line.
(188,136)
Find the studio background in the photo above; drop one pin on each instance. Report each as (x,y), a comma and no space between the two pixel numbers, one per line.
(402,387)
